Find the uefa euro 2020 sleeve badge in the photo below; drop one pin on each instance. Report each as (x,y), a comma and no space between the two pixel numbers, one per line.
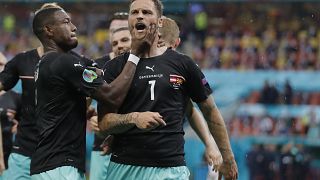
(89,75)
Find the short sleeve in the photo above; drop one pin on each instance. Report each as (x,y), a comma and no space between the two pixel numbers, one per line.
(114,67)
(197,85)
(10,76)
(79,74)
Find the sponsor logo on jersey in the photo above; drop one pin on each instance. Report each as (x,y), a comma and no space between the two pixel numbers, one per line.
(150,68)
(176,81)
(89,75)
(148,76)
(77,65)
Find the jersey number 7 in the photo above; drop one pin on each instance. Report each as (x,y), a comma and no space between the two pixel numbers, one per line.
(152,83)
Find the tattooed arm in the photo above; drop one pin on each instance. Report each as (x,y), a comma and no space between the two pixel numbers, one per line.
(218,130)
(112,123)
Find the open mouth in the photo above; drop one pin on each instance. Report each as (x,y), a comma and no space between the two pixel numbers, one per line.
(140,26)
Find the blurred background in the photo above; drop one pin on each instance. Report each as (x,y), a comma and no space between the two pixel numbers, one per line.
(261,57)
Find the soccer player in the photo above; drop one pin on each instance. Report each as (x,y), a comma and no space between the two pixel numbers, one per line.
(63,80)
(118,20)
(169,32)
(22,67)
(9,106)
(164,82)
(120,40)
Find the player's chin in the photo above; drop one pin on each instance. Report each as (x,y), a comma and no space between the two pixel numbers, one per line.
(73,43)
(122,52)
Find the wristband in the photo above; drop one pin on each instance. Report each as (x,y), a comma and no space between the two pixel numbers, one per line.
(133,58)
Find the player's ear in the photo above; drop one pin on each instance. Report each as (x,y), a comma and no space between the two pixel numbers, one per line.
(160,22)
(177,43)
(48,30)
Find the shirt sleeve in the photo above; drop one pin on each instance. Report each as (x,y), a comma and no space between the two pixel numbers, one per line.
(114,67)
(197,85)
(79,74)
(10,76)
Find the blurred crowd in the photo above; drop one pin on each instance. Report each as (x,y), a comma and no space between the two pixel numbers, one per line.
(272,162)
(254,125)
(275,94)
(242,36)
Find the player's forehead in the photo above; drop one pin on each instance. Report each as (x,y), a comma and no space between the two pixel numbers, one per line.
(142,5)
(60,15)
(121,34)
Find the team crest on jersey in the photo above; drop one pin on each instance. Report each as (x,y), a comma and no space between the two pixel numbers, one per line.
(176,81)
(89,75)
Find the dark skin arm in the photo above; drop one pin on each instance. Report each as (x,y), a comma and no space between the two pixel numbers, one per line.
(112,95)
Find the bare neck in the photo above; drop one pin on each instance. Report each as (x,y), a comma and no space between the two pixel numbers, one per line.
(155,50)
(49,46)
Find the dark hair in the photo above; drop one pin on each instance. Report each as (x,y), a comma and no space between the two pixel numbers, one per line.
(158,5)
(41,18)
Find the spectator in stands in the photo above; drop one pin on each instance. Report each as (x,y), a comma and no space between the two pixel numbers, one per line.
(288,93)
(251,161)
(269,94)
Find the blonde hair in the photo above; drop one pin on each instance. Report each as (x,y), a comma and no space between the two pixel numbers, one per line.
(50,5)
(169,31)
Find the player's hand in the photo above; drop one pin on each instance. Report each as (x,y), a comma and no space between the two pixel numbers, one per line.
(149,120)
(229,170)
(107,145)
(213,157)
(14,128)
(161,42)
(94,124)
(2,166)
(91,112)
(140,45)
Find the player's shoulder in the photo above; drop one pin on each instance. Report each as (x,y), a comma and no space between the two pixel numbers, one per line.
(25,54)
(13,93)
(104,58)
(63,57)
(101,61)
(177,56)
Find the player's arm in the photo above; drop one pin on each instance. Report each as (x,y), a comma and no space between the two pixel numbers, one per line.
(218,130)
(113,94)
(1,86)
(2,166)
(9,76)
(198,124)
(113,123)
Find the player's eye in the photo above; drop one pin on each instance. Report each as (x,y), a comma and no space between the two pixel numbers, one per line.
(146,12)
(66,21)
(134,12)
(114,44)
(125,39)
